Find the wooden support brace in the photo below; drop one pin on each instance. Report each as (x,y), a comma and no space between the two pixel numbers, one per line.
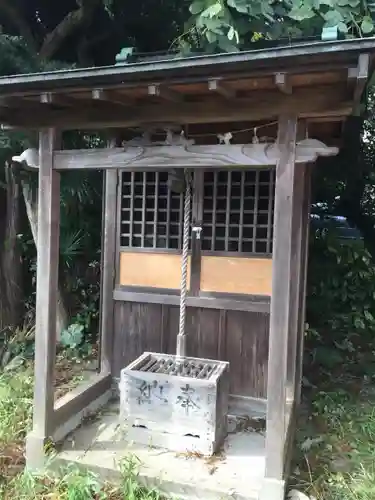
(46,299)
(280,301)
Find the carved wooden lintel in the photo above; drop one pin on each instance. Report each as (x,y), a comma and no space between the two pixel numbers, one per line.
(178,156)
(171,139)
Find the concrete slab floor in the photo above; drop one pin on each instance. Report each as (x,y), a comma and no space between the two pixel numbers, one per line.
(236,472)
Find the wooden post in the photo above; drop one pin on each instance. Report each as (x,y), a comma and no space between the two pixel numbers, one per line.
(108,270)
(296,278)
(303,283)
(196,238)
(46,300)
(280,300)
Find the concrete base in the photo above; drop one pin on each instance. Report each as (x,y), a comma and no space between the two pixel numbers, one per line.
(237,472)
(272,489)
(36,448)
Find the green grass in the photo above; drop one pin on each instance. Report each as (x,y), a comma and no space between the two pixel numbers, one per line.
(16,399)
(71,484)
(335,456)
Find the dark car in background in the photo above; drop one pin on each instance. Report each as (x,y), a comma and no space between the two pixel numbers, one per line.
(336,224)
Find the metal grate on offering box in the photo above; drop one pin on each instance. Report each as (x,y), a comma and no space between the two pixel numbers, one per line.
(184,367)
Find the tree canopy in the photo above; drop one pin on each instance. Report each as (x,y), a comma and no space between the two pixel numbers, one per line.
(233,24)
(89,32)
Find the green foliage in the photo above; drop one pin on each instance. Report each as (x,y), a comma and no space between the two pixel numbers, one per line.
(16,346)
(228,25)
(16,396)
(131,488)
(16,56)
(73,484)
(72,337)
(333,457)
(340,307)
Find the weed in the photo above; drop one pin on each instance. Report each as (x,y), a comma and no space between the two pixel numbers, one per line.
(335,460)
(16,402)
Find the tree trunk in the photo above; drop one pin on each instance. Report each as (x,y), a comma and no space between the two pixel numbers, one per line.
(31,203)
(72,22)
(11,296)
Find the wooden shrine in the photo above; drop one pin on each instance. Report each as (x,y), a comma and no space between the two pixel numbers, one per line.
(248,128)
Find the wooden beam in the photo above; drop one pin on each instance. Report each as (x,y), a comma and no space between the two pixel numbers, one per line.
(46,298)
(222,301)
(164,93)
(217,86)
(296,278)
(303,282)
(282,83)
(261,106)
(196,240)
(57,99)
(280,300)
(113,97)
(360,76)
(160,157)
(296,268)
(79,398)
(108,270)
(16,102)
(170,157)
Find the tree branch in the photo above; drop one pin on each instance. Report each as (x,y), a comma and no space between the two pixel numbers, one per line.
(15,17)
(67,27)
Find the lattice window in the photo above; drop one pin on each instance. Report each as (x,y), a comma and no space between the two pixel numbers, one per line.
(151,214)
(238,211)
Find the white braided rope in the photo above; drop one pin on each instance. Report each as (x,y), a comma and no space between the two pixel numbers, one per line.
(181,344)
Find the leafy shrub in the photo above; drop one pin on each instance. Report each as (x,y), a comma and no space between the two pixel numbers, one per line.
(72,337)
(340,305)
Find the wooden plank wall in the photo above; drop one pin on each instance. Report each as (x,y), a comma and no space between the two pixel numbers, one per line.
(236,336)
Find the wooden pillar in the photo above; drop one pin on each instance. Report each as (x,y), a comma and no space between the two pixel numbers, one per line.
(295,279)
(110,213)
(306,206)
(280,301)
(46,300)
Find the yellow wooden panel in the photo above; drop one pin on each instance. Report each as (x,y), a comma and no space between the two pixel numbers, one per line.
(236,275)
(157,270)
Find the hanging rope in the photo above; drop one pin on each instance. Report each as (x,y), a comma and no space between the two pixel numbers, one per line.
(181,338)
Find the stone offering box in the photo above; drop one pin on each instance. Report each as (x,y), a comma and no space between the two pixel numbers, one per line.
(180,404)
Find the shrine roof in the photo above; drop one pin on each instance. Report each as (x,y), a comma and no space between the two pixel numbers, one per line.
(127,92)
